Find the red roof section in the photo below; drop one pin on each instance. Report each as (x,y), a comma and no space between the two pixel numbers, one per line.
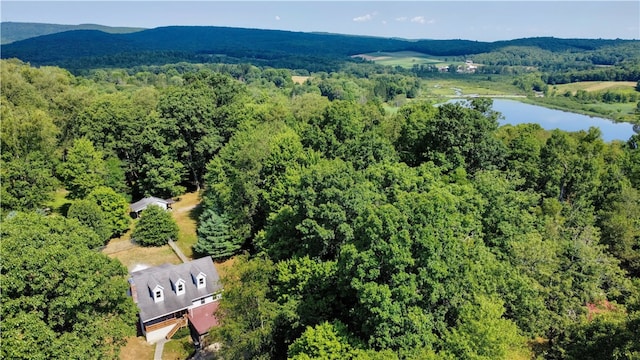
(203,317)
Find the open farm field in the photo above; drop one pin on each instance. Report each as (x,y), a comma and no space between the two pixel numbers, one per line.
(405,59)
(451,87)
(595,86)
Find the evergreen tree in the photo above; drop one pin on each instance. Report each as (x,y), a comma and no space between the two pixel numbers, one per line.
(213,236)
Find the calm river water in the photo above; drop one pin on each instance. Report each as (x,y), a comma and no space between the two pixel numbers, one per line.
(515,112)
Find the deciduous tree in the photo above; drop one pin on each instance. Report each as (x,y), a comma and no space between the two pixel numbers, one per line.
(247,314)
(114,207)
(83,169)
(155,228)
(90,215)
(59,297)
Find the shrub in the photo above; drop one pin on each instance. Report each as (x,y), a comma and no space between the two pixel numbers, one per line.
(155,228)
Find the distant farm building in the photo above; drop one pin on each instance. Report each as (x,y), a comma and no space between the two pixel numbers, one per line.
(469,67)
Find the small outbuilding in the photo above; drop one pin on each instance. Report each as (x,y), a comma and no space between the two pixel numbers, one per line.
(138,206)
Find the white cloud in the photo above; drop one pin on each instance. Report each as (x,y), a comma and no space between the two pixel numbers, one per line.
(416,19)
(363,18)
(277,18)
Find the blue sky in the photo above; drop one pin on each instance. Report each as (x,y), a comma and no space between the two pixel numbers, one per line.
(473,20)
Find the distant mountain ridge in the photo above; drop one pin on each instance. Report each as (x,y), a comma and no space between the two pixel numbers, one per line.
(82,49)
(16,31)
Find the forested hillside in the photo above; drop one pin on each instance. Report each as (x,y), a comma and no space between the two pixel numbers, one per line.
(16,31)
(85,49)
(426,232)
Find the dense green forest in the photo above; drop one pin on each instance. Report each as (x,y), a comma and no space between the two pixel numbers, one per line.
(427,232)
(16,31)
(94,47)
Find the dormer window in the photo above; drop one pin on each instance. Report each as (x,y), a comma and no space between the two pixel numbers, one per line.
(198,277)
(158,294)
(200,281)
(180,287)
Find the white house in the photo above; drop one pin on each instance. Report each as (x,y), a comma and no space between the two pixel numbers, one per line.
(138,206)
(170,297)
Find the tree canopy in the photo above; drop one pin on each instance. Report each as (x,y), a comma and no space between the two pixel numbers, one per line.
(358,225)
(60,298)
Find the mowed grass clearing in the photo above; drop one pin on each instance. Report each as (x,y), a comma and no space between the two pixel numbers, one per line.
(299,79)
(404,59)
(185,212)
(595,86)
(132,255)
(137,348)
(59,204)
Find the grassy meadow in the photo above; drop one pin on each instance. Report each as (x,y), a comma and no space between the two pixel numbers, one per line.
(405,59)
(445,85)
(590,86)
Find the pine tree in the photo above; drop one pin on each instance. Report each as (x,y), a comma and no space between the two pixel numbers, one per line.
(213,236)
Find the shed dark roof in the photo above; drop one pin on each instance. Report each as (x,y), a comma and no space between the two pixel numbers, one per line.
(145,280)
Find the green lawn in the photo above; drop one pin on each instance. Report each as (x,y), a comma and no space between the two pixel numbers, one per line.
(178,349)
(186,211)
(59,204)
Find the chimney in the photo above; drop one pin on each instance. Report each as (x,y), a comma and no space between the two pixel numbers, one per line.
(134,291)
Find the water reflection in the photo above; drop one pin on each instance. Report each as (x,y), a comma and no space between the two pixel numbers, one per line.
(515,112)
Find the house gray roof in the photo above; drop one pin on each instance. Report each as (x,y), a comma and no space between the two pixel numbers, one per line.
(143,203)
(146,280)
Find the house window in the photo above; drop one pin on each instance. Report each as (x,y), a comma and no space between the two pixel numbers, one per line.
(180,288)
(201,301)
(200,280)
(158,294)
